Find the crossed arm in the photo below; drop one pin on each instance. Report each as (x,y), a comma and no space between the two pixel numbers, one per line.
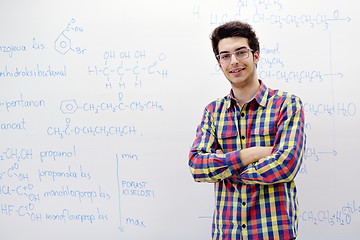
(253,165)
(252,154)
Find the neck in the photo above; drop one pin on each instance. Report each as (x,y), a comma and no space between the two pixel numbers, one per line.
(245,93)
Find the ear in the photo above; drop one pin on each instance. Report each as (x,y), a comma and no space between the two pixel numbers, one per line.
(256,57)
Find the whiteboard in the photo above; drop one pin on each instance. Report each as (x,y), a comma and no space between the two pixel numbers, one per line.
(100,101)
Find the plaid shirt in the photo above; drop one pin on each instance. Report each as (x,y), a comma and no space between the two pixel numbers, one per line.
(258,201)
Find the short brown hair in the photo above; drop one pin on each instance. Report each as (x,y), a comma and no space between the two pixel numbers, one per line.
(234,29)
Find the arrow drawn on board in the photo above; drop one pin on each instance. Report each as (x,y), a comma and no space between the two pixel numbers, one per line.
(121,226)
(333,152)
(339,74)
(347,19)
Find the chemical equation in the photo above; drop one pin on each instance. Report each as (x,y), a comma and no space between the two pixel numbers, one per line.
(301,76)
(271,65)
(72,106)
(342,217)
(344,109)
(313,155)
(94,130)
(17,154)
(23,154)
(122,68)
(26,210)
(66,215)
(20,191)
(271,12)
(23,192)
(16,158)
(321,20)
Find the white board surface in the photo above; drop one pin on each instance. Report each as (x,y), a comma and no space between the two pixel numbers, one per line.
(100,101)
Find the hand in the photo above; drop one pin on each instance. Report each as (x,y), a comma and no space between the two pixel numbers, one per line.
(219,151)
(254,154)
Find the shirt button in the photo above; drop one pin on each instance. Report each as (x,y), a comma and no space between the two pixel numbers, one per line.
(243,226)
(242,137)
(243,114)
(244,203)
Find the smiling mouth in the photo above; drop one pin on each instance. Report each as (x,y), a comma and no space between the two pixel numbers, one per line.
(236,70)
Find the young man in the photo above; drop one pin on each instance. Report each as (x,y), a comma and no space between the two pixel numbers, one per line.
(250,144)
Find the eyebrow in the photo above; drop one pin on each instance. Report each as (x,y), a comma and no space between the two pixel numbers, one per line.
(237,49)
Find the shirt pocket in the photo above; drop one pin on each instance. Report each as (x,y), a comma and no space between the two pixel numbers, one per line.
(262,137)
(229,139)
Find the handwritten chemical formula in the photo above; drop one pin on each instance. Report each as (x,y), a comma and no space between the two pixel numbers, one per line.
(270,12)
(63,43)
(343,216)
(91,130)
(73,106)
(98,109)
(122,69)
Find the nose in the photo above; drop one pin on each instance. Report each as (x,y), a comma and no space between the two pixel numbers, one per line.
(233,59)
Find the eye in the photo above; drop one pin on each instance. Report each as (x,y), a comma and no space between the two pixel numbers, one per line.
(225,56)
(240,53)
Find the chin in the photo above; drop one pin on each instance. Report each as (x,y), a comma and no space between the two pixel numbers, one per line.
(238,82)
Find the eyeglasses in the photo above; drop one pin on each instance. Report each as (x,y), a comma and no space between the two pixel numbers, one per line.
(241,54)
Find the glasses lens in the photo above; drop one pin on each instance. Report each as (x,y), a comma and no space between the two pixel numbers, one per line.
(224,57)
(241,54)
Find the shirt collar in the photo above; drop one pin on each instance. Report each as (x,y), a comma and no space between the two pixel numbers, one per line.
(260,97)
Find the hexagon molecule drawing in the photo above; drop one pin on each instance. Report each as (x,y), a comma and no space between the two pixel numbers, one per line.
(62,44)
(68,106)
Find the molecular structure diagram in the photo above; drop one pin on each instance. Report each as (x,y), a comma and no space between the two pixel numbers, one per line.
(63,42)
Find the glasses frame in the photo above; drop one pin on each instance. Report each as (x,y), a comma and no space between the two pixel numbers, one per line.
(248,50)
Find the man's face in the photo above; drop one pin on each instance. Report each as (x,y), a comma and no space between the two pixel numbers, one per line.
(239,72)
